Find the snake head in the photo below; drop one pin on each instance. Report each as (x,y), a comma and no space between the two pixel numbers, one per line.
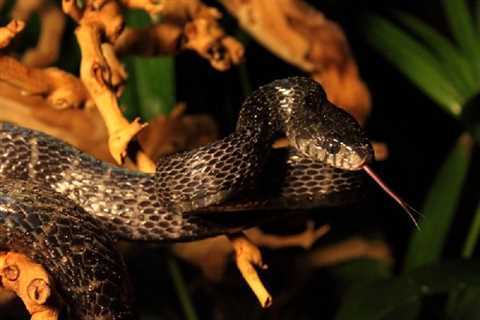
(319,129)
(332,136)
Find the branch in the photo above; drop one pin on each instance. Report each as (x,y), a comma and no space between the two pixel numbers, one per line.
(8,32)
(68,124)
(211,255)
(304,239)
(31,283)
(350,249)
(61,89)
(247,257)
(99,25)
(52,26)
(185,24)
(302,36)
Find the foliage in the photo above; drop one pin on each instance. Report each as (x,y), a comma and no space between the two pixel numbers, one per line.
(150,89)
(448,71)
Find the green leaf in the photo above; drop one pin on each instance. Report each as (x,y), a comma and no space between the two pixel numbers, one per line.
(427,243)
(155,85)
(244,79)
(129,99)
(473,235)
(463,304)
(454,62)
(379,299)
(137,19)
(181,289)
(360,270)
(471,117)
(150,89)
(477,14)
(463,29)
(415,61)
(243,73)
(400,297)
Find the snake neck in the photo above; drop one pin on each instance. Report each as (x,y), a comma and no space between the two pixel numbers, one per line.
(260,116)
(277,107)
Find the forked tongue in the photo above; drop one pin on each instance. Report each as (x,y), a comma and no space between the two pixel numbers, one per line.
(408,208)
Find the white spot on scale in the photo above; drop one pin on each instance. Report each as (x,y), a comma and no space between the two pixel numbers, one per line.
(33,156)
(284,91)
(95,207)
(287,101)
(4,208)
(61,186)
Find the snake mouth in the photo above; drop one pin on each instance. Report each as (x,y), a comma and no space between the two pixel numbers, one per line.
(348,158)
(344,157)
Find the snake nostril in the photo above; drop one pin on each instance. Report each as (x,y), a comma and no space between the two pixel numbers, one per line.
(367,153)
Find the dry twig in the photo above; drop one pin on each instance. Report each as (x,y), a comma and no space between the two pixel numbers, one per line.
(61,89)
(167,134)
(211,255)
(247,257)
(69,124)
(186,24)
(31,283)
(99,26)
(350,249)
(8,32)
(52,26)
(303,37)
(304,239)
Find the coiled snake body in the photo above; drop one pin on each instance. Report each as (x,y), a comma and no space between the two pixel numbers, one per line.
(64,208)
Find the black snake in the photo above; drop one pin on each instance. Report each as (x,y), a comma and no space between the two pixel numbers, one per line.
(64,209)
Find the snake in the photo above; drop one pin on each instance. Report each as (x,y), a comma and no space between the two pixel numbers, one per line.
(66,210)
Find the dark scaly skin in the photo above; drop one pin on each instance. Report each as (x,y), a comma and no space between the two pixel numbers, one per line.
(229,173)
(70,244)
(293,182)
(128,202)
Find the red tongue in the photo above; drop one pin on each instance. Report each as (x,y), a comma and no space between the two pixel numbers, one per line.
(408,208)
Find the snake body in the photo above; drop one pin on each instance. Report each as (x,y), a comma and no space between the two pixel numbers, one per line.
(62,207)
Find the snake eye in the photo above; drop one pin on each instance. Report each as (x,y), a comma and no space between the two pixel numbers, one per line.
(332,147)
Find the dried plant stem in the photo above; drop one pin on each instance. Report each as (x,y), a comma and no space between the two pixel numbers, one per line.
(8,32)
(350,249)
(30,282)
(247,257)
(52,27)
(304,37)
(97,76)
(304,239)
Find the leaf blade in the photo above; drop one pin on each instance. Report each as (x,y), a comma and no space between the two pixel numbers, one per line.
(151,87)
(155,85)
(400,297)
(463,29)
(426,245)
(454,62)
(414,60)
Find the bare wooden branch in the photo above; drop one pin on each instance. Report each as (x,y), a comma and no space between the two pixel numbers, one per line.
(52,26)
(8,32)
(349,249)
(247,257)
(302,36)
(31,283)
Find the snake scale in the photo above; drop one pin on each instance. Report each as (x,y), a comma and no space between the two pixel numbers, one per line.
(65,209)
